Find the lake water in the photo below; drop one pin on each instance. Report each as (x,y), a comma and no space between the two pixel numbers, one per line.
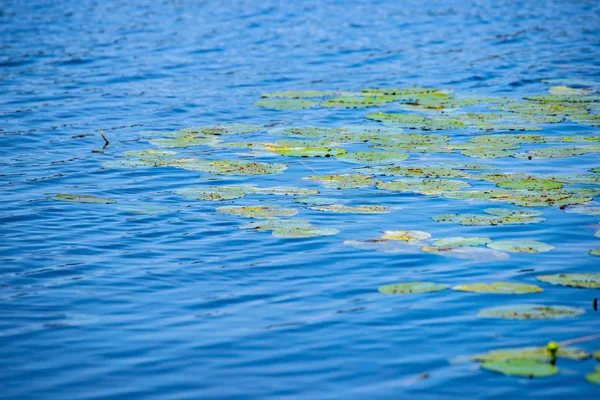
(98,302)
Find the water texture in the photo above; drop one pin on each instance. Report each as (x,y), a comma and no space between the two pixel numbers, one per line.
(97,302)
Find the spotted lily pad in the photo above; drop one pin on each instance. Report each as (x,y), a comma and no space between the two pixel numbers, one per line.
(372,157)
(414,172)
(287,104)
(529,184)
(346,181)
(594,377)
(521,367)
(426,187)
(362,209)
(127,163)
(589,281)
(507,212)
(499,288)
(81,198)
(215,193)
(264,211)
(284,190)
(229,167)
(531,353)
(412,288)
(520,246)
(531,311)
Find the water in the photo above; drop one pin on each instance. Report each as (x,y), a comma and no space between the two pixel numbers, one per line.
(99,303)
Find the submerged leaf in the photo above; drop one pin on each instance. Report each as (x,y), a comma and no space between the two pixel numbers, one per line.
(288,104)
(589,281)
(531,311)
(466,253)
(499,288)
(303,232)
(265,211)
(462,241)
(412,287)
(81,198)
(520,246)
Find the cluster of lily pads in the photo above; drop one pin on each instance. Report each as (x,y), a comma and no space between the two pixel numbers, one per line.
(407,127)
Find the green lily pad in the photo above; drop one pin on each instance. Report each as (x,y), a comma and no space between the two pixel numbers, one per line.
(460,241)
(588,281)
(487,153)
(531,311)
(413,172)
(184,141)
(552,98)
(299,151)
(507,212)
(412,288)
(521,367)
(264,211)
(413,121)
(81,198)
(595,170)
(288,104)
(219,129)
(303,232)
(345,181)
(559,152)
(315,201)
(468,166)
(520,246)
(482,220)
(127,163)
(356,101)
(596,355)
(405,236)
(529,184)
(214,193)
(466,253)
(284,190)
(499,288)
(372,157)
(229,167)
(306,131)
(426,187)
(595,252)
(149,153)
(594,377)
(298,94)
(531,353)
(363,209)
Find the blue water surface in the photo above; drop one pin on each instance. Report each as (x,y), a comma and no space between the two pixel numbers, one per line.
(100,303)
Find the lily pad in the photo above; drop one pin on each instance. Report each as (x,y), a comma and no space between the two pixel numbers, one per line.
(214,193)
(229,167)
(594,377)
(531,353)
(127,163)
(588,281)
(149,153)
(264,211)
(184,141)
(345,181)
(362,209)
(303,232)
(81,198)
(356,101)
(499,288)
(414,172)
(529,184)
(298,94)
(372,157)
(315,201)
(405,236)
(272,224)
(531,311)
(520,246)
(461,241)
(412,288)
(305,131)
(284,190)
(145,209)
(426,187)
(293,151)
(466,253)
(595,252)
(287,104)
(507,212)
(521,367)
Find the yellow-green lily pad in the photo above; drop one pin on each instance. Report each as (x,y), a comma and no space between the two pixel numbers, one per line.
(531,311)
(345,181)
(356,101)
(287,104)
(499,288)
(521,367)
(229,167)
(263,211)
(529,184)
(594,377)
(531,353)
(426,187)
(584,280)
(412,288)
(595,252)
(520,246)
(81,198)
(214,193)
(303,232)
(372,157)
(414,172)
(284,190)
(405,236)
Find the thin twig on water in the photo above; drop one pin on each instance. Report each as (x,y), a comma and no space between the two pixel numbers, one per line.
(105,139)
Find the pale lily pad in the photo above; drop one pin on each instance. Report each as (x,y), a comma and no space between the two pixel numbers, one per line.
(184,141)
(298,94)
(466,253)
(405,236)
(264,211)
(229,167)
(372,157)
(315,201)
(529,184)
(305,131)
(468,166)
(214,193)
(145,209)
(521,367)
(426,187)
(462,241)
(531,353)
(284,190)
(587,210)
(520,246)
(149,153)
(303,232)
(127,163)
(414,172)
(346,181)
(559,152)
(499,288)
(507,212)
(588,281)
(288,104)
(273,224)
(595,252)
(531,311)
(356,101)
(362,209)
(594,377)
(81,198)
(412,288)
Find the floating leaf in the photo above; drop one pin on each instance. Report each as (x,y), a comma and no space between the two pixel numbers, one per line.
(520,246)
(531,311)
(510,213)
(499,288)
(306,151)
(595,170)
(479,220)
(413,121)
(265,211)
(594,377)
(412,288)
(301,94)
(303,232)
(346,181)
(529,184)
(552,98)
(559,152)
(315,201)
(588,281)
(595,252)
(215,193)
(405,236)
(531,353)
(145,209)
(466,253)
(229,167)
(273,224)
(81,198)
(427,187)
(521,367)
(289,104)
(149,153)
(185,141)
(356,101)
(372,157)
(284,190)
(363,209)
(126,163)
(468,166)
(306,131)
(462,241)
(415,172)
